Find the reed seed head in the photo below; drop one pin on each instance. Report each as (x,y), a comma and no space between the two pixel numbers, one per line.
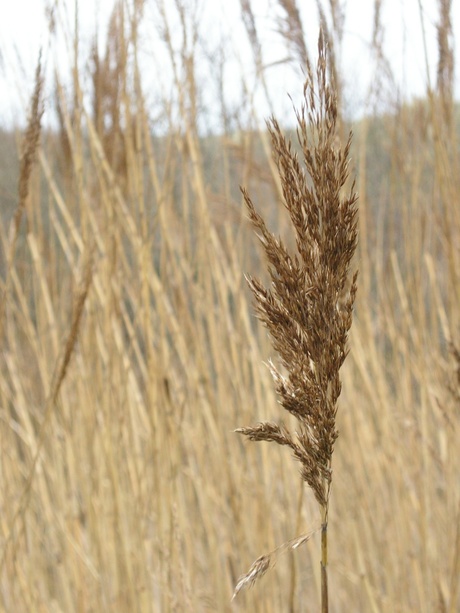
(307,308)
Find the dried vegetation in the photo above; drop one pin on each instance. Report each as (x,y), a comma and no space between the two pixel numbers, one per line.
(130,353)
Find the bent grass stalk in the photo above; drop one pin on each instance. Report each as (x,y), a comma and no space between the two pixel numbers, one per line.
(308,307)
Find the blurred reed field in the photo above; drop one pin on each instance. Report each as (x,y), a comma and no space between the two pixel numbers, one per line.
(130,352)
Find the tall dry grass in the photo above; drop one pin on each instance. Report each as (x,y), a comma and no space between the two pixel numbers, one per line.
(129,355)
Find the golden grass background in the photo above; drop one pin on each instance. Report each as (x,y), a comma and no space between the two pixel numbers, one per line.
(130,353)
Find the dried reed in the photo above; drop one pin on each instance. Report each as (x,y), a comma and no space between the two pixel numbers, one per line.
(29,150)
(308,307)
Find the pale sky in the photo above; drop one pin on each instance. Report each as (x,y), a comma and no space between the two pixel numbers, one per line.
(23,29)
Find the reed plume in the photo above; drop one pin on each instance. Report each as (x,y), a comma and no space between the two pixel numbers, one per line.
(308,306)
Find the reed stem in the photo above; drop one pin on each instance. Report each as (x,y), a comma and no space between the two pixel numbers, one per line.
(324,585)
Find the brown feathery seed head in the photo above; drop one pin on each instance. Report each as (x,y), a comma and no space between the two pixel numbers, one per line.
(307,308)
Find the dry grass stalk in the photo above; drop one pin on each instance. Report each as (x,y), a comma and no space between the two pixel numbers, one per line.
(446,59)
(30,147)
(291,28)
(308,308)
(60,371)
